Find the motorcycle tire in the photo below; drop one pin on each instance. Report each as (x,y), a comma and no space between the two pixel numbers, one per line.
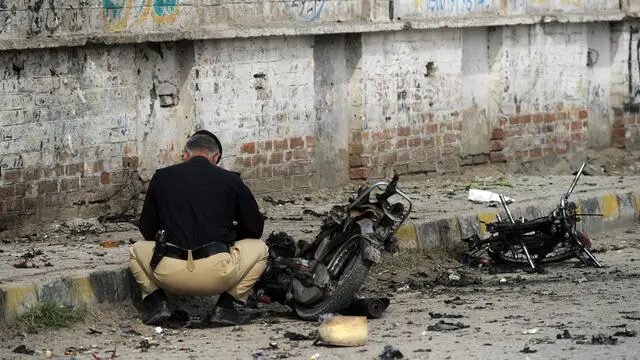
(561,253)
(347,286)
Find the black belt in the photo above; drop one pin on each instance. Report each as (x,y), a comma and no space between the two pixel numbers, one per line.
(199,253)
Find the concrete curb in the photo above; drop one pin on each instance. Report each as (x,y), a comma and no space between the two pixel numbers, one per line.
(116,285)
(79,290)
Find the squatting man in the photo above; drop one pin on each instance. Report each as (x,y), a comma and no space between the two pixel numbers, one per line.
(202,229)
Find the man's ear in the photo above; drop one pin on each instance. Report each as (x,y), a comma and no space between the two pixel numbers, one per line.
(185,156)
(216,158)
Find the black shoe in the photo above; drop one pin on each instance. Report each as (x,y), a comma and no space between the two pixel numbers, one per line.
(228,317)
(155,308)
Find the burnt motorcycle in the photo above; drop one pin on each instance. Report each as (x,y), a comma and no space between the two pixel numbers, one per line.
(552,238)
(323,276)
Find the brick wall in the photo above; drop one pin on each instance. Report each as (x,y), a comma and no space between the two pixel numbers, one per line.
(258,97)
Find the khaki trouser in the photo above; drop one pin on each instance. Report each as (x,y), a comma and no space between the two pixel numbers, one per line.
(234,272)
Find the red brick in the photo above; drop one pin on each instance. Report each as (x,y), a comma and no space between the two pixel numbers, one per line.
(391,158)
(497,134)
(266,145)
(266,172)
(431,128)
(401,143)
(11,176)
(366,135)
(30,204)
(618,137)
(577,137)
(356,149)
(549,118)
(576,125)
(22,189)
(69,184)
(242,162)
(449,138)
(415,142)
(258,160)
(387,134)
(514,120)
(548,128)
(497,145)
(296,143)
(47,186)
(355,161)
(535,153)
(497,157)
(248,148)
(279,145)
(358,173)
(583,114)
(276,158)
(525,119)
(7,191)
(356,137)
(105,178)
(560,150)
(538,118)
(384,145)
(74,169)
(94,166)
(403,131)
(311,141)
(300,154)
(130,162)
(427,117)
(31,174)
(562,116)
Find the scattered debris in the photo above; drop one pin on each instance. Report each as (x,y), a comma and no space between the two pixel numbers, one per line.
(528,350)
(272,201)
(446,326)
(23,349)
(455,301)
(93,331)
(626,333)
(389,353)
(315,356)
(111,244)
(344,331)
(602,339)
(296,336)
(485,196)
(580,280)
(421,350)
(440,316)
(564,335)
(258,353)
(531,331)
(24,264)
(273,345)
(372,308)
(313,213)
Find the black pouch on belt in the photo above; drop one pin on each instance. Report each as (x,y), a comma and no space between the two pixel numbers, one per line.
(159,250)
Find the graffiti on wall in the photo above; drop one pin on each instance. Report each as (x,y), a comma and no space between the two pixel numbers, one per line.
(305,10)
(633,103)
(454,6)
(119,14)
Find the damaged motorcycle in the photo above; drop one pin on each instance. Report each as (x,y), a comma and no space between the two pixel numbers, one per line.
(323,276)
(552,238)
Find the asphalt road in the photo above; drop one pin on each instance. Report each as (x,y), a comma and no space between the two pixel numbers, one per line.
(511,315)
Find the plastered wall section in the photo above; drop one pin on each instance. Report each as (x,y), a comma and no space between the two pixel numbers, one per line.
(39,23)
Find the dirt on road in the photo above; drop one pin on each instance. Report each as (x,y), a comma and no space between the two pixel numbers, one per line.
(439,310)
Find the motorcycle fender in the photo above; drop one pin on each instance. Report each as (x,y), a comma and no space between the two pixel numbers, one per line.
(370,252)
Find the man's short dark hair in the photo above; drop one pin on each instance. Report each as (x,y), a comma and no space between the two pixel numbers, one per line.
(202,143)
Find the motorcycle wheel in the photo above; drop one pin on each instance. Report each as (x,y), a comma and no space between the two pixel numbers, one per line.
(562,252)
(344,288)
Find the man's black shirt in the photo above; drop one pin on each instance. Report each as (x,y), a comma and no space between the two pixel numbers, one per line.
(196,203)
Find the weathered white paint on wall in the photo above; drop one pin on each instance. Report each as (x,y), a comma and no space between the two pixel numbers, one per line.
(409,74)
(533,7)
(255,89)
(408,9)
(475,91)
(599,79)
(544,67)
(67,106)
